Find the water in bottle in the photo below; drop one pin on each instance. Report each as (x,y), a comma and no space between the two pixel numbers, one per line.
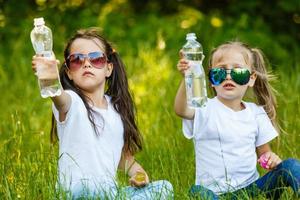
(41,38)
(195,82)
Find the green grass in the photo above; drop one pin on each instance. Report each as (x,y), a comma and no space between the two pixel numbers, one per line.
(28,165)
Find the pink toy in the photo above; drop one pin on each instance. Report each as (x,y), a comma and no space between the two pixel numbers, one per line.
(263,161)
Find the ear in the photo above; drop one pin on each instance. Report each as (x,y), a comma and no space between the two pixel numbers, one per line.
(109,70)
(252,79)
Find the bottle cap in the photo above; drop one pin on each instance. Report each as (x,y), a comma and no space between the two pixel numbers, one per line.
(191,36)
(39,21)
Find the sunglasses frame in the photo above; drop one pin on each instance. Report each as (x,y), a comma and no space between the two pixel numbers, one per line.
(221,73)
(82,57)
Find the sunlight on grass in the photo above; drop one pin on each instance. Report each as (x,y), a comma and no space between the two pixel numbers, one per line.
(3,76)
(156,70)
(161,43)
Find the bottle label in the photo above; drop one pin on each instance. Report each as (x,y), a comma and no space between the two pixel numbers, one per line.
(196,68)
(196,56)
(39,47)
(48,54)
(195,85)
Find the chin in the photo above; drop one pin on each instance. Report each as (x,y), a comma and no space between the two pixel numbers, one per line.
(229,97)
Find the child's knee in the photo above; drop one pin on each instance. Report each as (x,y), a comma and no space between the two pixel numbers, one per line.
(290,163)
(198,191)
(163,187)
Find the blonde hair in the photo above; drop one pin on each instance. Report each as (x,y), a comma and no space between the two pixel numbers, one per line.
(263,90)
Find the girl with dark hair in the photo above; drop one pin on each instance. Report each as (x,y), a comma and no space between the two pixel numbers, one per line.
(231,135)
(94,123)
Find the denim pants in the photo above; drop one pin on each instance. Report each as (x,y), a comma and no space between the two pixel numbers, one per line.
(286,174)
(157,190)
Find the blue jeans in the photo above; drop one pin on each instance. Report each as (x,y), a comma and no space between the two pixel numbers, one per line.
(157,190)
(160,190)
(286,174)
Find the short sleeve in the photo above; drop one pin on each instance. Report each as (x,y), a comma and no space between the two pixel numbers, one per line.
(187,128)
(75,101)
(266,131)
(193,127)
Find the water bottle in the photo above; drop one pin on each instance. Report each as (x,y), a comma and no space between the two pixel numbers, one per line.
(41,38)
(195,83)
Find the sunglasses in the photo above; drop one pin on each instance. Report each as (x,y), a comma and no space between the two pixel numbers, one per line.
(239,75)
(76,60)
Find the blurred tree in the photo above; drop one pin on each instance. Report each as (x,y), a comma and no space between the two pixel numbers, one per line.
(281,16)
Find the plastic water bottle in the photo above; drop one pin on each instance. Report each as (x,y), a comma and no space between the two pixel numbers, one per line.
(195,82)
(41,38)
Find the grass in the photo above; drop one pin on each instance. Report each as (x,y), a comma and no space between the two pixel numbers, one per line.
(28,167)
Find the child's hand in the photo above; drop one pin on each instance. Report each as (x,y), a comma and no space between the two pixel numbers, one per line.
(182,64)
(269,160)
(45,68)
(139,179)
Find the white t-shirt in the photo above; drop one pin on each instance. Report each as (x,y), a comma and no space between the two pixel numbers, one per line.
(225,144)
(87,160)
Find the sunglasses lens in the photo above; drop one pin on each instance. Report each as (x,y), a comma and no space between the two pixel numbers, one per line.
(75,61)
(217,75)
(97,59)
(240,75)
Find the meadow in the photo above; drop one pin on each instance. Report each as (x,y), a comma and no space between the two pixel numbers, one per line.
(149,45)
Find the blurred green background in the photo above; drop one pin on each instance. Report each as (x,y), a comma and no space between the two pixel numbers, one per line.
(148,35)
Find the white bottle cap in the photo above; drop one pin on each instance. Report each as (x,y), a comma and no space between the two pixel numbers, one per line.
(39,21)
(191,36)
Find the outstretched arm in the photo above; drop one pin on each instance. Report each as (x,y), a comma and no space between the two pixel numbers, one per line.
(47,70)
(138,176)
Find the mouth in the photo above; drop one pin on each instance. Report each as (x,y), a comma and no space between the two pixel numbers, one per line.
(87,73)
(229,86)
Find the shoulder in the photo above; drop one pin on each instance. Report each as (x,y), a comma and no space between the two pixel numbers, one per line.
(254,108)
(110,104)
(77,107)
(72,93)
(204,111)
(74,96)
(211,104)
(76,100)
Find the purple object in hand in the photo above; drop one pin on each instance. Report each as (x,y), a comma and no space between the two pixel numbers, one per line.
(263,161)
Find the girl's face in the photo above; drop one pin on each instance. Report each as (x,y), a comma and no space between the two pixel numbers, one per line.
(87,64)
(232,58)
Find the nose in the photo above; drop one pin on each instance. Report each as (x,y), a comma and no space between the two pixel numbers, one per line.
(228,76)
(86,63)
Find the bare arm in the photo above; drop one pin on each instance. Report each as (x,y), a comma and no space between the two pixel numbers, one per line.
(62,104)
(133,169)
(260,150)
(48,66)
(180,105)
(272,158)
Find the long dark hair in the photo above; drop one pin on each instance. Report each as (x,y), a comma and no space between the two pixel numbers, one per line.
(116,88)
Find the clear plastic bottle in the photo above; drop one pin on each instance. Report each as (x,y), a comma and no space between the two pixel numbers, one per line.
(195,82)
(41,38)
